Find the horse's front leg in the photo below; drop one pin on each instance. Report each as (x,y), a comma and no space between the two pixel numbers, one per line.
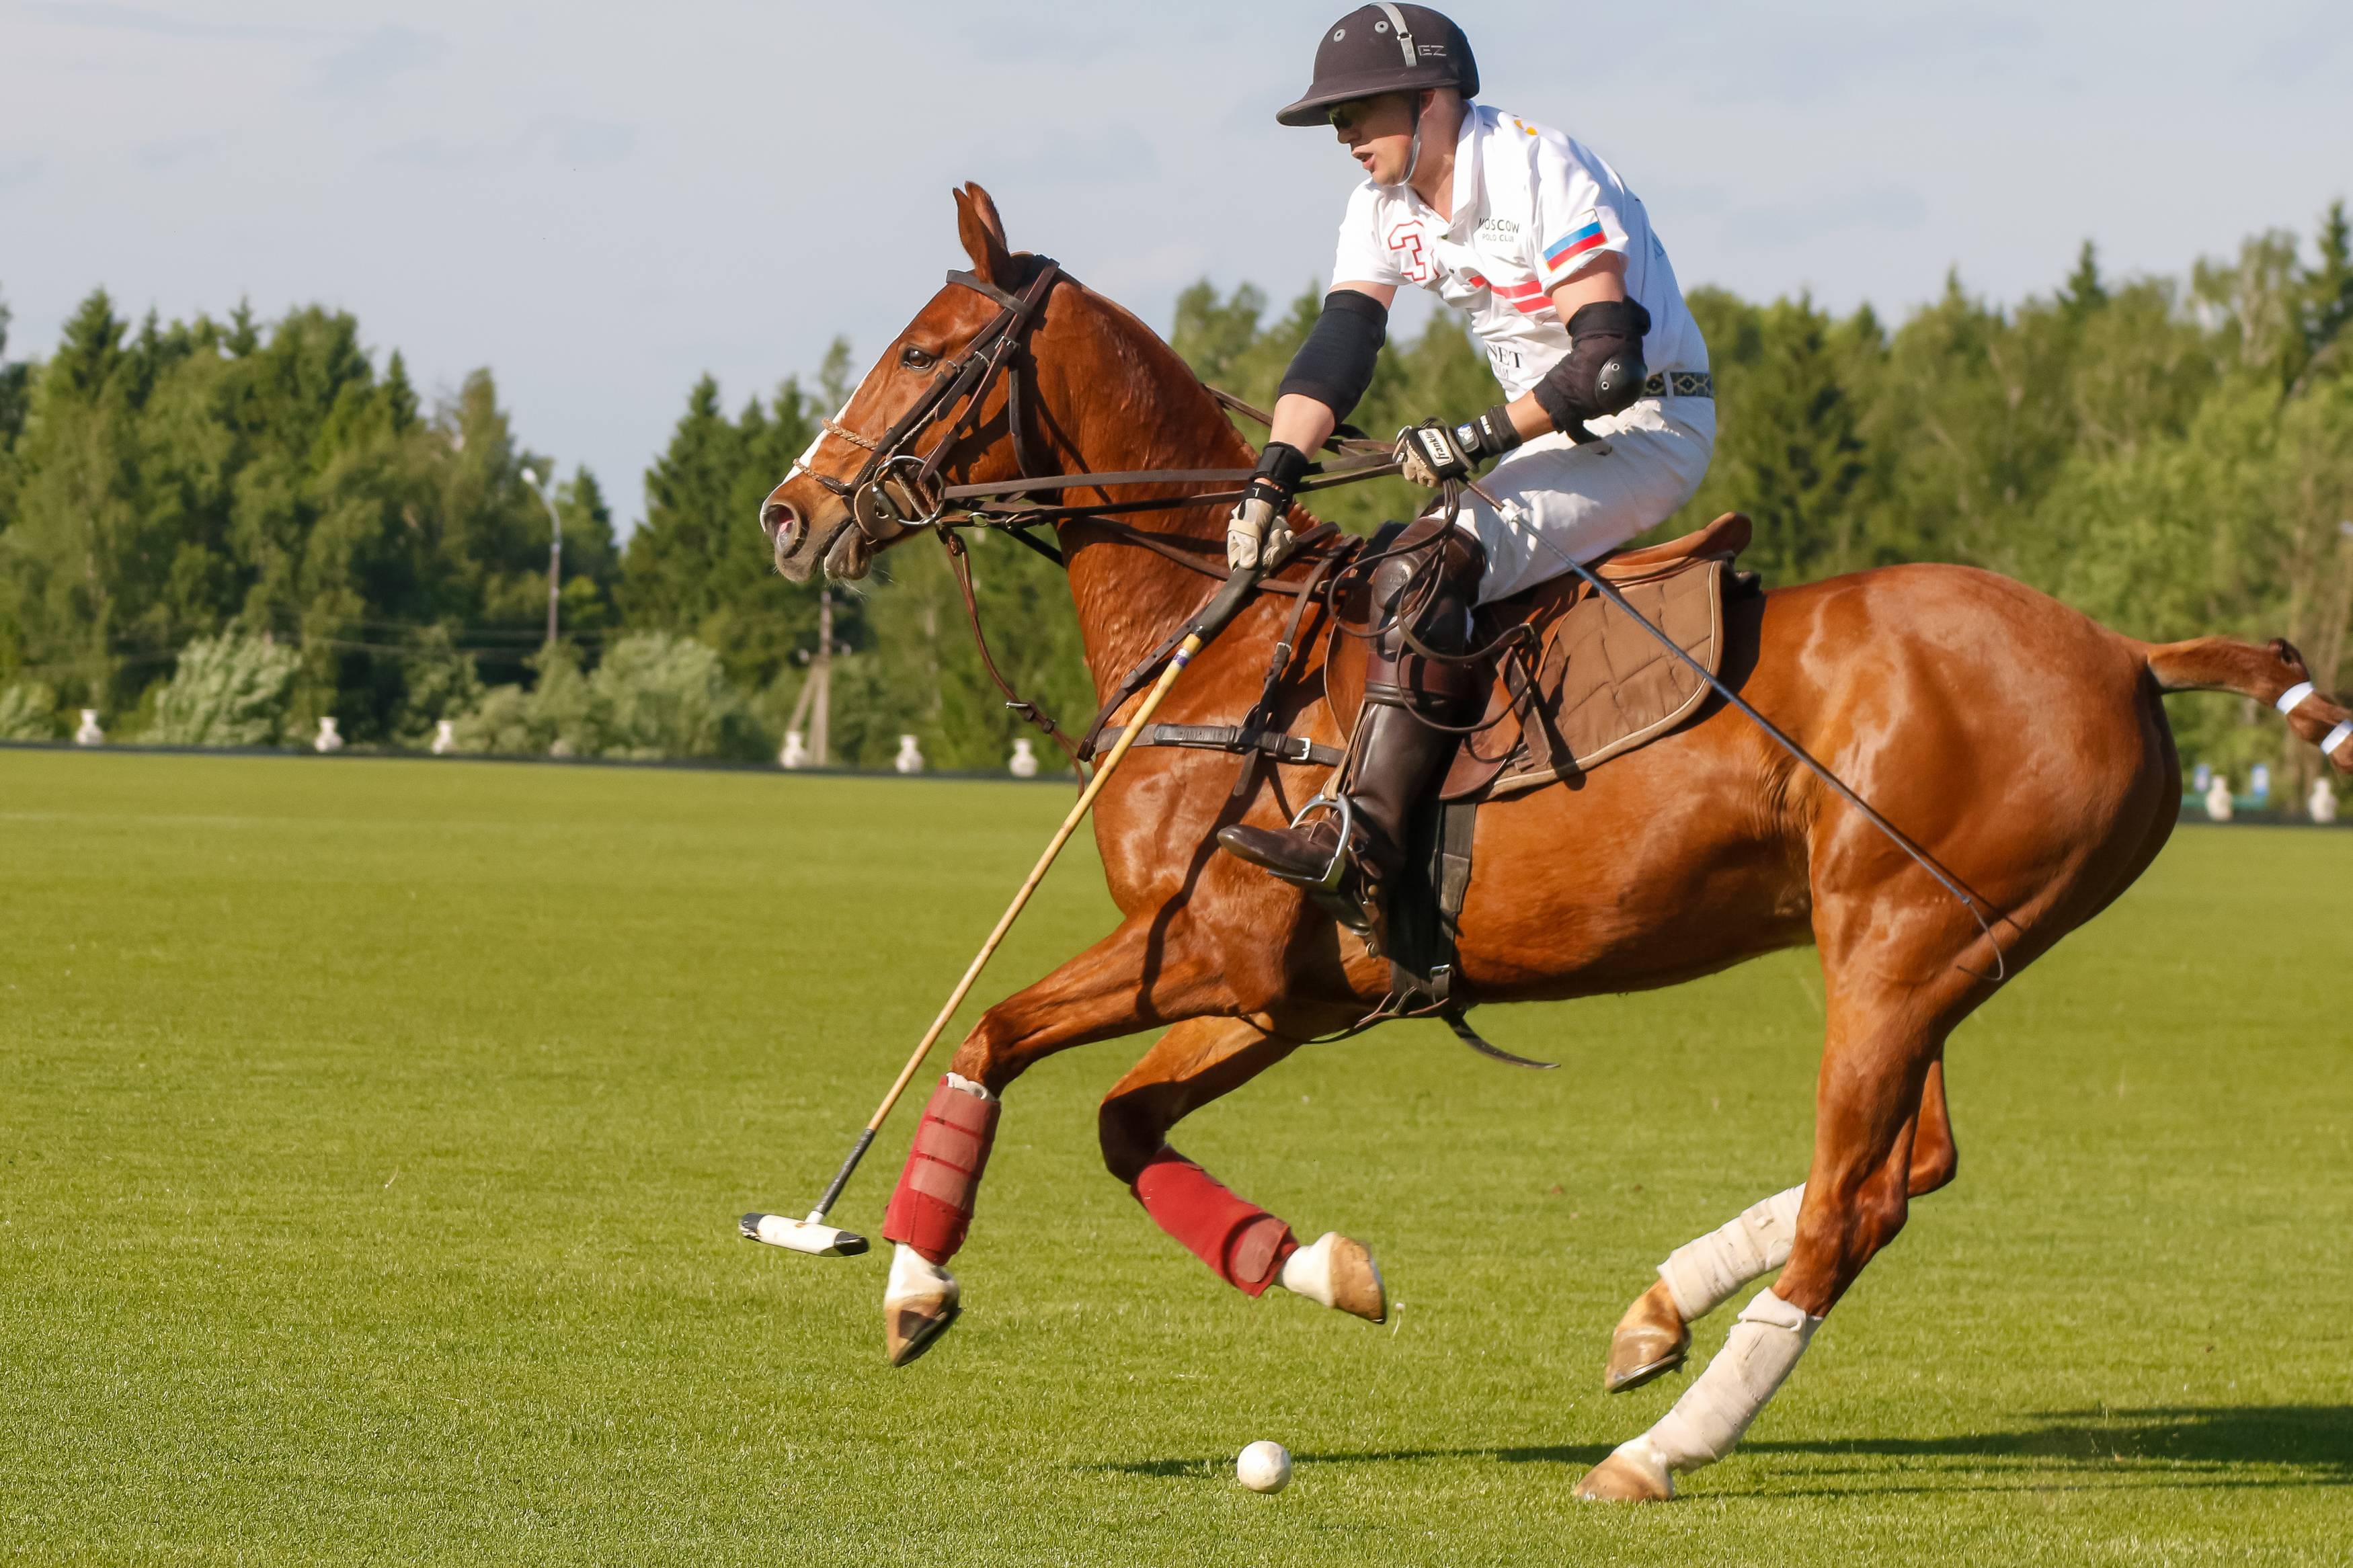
(1131,980)
(1244,1245)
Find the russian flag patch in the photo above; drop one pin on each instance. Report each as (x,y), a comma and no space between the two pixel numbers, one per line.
(1575,243)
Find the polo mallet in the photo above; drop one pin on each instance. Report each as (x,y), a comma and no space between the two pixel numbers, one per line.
(812,1234)
(1511,512)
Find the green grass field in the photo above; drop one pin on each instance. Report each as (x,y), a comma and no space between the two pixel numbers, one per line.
(374,1133)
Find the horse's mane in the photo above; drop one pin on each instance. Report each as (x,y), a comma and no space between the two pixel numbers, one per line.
(1173,383)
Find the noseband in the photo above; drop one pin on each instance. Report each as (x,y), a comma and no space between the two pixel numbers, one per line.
(898,488)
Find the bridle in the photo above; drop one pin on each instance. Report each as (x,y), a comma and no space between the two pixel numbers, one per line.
(899,488)
(896,487)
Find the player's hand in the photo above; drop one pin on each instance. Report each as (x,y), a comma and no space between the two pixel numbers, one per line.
(1432,452)
(1259,531)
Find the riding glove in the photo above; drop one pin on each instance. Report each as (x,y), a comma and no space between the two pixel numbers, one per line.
(1259,530)
(1430,453)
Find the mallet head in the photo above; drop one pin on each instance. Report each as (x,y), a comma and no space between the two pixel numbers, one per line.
(809,1235)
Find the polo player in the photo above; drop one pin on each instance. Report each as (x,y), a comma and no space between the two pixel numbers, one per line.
(1607,426)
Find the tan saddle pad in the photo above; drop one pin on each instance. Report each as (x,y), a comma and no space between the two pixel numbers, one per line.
(1604,685)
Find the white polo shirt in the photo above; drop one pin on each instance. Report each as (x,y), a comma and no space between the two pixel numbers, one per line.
(1532,208)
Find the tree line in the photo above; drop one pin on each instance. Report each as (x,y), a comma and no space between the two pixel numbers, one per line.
(2173,455)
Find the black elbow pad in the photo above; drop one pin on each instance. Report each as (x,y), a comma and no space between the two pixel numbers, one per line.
(1603,372)
(1335,365)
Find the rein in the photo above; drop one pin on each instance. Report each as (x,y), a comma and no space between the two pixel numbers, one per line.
(897,488)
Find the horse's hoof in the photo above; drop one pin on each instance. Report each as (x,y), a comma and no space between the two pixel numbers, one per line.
(1632,1473)
(920,1303)
(1651,1341)
(1341,1274)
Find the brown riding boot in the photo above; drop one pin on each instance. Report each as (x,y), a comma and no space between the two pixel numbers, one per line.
(1395,755)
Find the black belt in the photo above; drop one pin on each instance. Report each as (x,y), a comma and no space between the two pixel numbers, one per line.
(1680,384)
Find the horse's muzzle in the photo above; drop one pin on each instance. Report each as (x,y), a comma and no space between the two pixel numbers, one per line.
(788,538)
(782,524)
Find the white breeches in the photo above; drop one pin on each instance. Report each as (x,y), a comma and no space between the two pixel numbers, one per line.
(1586,500)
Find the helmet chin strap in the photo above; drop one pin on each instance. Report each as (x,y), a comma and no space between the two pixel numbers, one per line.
(1413,154)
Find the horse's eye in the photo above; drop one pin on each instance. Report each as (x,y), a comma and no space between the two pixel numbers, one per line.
(914,358)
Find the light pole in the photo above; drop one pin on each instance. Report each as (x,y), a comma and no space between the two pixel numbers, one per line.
(555,549)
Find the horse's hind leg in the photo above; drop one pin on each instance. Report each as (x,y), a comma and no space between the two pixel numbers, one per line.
(1886,1035)
(1654,1336)
(1248,1248)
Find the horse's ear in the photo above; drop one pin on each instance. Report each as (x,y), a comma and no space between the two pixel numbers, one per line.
(983,232)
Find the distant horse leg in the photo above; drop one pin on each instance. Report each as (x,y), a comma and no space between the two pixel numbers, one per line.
(1884,1038)
(1245,1246)
(1654,1336)
(1936,1159)
(1095,995)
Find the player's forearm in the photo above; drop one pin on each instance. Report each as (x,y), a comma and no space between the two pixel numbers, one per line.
(1305,423)
(1528,416)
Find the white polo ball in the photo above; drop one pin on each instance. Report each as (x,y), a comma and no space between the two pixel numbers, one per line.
(1264,1467)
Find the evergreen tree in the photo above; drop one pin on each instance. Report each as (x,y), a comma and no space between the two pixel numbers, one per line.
(16,400)
(2083,292)
(1787,450)
(699,565)
(78,568)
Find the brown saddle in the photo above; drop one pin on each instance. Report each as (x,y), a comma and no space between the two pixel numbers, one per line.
(1603,686)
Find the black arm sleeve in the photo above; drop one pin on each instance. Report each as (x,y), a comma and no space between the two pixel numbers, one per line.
(1335,365)
(1602,373)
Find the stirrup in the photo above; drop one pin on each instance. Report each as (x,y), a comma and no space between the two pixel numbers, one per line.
(1337,871)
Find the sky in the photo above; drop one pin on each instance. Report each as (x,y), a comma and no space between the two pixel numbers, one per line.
(601,202)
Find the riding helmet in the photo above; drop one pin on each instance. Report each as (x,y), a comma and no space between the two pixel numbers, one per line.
(1384,48)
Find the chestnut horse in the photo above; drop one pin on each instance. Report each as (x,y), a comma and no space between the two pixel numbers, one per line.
(2023,746)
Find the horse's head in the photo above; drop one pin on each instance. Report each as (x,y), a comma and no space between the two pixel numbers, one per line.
(857,491)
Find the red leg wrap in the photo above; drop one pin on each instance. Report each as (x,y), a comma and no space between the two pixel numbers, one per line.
(931,1209)
(1244,1243)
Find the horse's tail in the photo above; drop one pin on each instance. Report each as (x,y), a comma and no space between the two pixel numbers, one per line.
(2273,673)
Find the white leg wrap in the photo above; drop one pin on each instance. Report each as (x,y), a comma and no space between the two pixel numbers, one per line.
(1718,1406)
(913,1274)
(1308,1271)
(1704,1275)
(958,1081)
